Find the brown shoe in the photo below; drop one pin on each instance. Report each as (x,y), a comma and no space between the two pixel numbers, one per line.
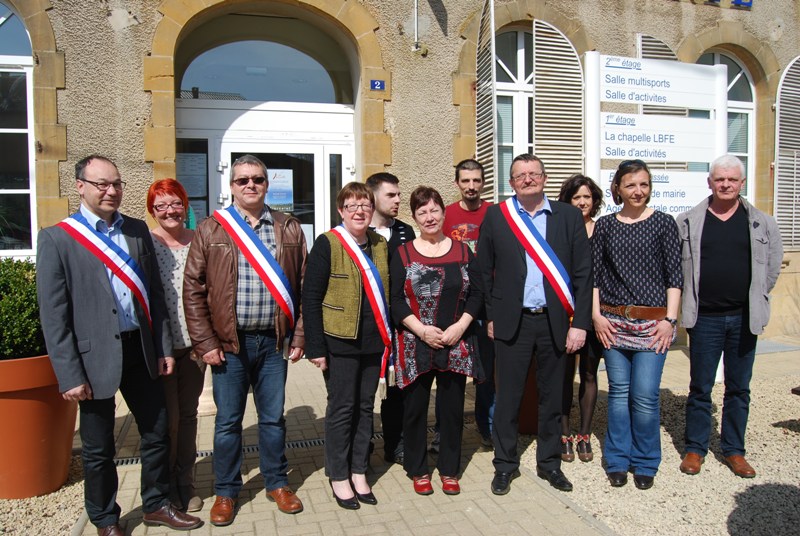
(739,466)
(223,511)
(691,463)
(583,445)
(287,501)
(168,516)
(567,452)
(111,530)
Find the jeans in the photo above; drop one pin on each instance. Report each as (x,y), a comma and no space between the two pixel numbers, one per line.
(709,338)
(633,439)
(260,365)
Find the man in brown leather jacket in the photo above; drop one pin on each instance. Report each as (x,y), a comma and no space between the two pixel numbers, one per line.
(241,295)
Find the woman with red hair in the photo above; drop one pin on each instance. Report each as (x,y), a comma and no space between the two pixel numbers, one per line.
(167,202)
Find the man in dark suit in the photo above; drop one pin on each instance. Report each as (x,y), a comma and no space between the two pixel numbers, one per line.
(528,311)
(106,328)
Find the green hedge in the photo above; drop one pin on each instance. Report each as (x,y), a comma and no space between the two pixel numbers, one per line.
(20,330)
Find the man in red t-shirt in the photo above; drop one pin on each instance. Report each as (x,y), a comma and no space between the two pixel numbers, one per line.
(462,221)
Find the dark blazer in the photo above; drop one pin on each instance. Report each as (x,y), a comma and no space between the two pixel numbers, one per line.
(501,264)
(78,311)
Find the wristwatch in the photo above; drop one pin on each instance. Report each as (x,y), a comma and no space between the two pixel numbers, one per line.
(673,321)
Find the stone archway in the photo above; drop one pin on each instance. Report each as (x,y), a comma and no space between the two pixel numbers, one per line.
(51,138)
(464,141)
(732,37)
(181,16)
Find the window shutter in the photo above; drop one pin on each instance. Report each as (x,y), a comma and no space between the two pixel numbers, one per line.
(486,111)
(557,114)
(787,157)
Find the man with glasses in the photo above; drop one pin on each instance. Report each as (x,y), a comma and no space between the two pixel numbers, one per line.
(533,257)
(385,187)
(241,295)
(106,328)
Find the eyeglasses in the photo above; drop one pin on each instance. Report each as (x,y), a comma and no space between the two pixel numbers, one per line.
(636,162)
(163,207)
(104,186)
(366,207)
(529,175)
(244,181)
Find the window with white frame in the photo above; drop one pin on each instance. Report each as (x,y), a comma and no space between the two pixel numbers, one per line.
(539,103)
(741,113)
(17,181)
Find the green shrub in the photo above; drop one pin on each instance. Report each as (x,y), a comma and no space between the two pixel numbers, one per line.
(20,330)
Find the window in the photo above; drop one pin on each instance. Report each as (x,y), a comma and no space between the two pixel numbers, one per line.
(741,112)
(257,71)
(539,101)
(17,181)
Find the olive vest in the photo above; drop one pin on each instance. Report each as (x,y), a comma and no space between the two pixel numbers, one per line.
(341,307)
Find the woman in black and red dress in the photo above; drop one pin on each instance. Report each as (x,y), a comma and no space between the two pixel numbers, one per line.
(434,301)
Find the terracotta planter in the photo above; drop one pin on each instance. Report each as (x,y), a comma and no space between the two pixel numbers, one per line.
(36,425)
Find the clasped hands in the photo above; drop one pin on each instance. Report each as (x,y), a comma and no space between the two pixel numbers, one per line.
(436,338)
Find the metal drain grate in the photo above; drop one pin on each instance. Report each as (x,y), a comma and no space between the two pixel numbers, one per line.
(251,449)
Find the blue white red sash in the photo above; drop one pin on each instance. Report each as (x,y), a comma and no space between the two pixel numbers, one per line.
(121,264)
(373,287)
(541,253)
(260,259)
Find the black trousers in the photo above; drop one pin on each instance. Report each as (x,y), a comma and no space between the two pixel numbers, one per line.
(450,406)
(351,381)
(145,399)
(512,360)
(392,421)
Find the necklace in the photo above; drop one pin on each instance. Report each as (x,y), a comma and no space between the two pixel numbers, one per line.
(431,250)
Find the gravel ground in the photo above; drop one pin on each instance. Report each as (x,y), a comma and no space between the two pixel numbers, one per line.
(715,501)
(53,514)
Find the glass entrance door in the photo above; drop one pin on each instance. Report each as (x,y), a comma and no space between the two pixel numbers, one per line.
(303,179)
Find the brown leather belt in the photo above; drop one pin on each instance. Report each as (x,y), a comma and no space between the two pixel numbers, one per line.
(636,312)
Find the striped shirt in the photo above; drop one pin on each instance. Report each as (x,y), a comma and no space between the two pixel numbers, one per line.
(255,306)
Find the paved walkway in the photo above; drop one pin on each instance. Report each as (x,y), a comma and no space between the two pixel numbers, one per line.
(532,507)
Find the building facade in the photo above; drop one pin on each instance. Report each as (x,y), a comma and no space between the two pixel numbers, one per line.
(328,91)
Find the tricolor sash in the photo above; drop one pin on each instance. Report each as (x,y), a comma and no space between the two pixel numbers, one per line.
(373,287)
(541,253)
(260,259)
(121,264)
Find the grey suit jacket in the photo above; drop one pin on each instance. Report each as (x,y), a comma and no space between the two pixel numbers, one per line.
(501,263)
(78,311)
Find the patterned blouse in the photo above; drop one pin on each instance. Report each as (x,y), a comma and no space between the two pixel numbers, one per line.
(171,263)
(635,263)
(436,290)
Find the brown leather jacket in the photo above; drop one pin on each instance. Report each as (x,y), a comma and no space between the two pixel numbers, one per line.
(209,284)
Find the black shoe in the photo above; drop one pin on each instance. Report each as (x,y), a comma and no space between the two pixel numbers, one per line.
(643,482)
(366,498)
(501,483)
(348,504)
(556,478)
(618,479)
(394,458)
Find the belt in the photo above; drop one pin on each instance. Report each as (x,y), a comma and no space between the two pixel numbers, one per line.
(128,335)
(636,312)
(535,311)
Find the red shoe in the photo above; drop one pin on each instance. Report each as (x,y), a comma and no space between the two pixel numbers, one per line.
(422,485)
(450,485)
